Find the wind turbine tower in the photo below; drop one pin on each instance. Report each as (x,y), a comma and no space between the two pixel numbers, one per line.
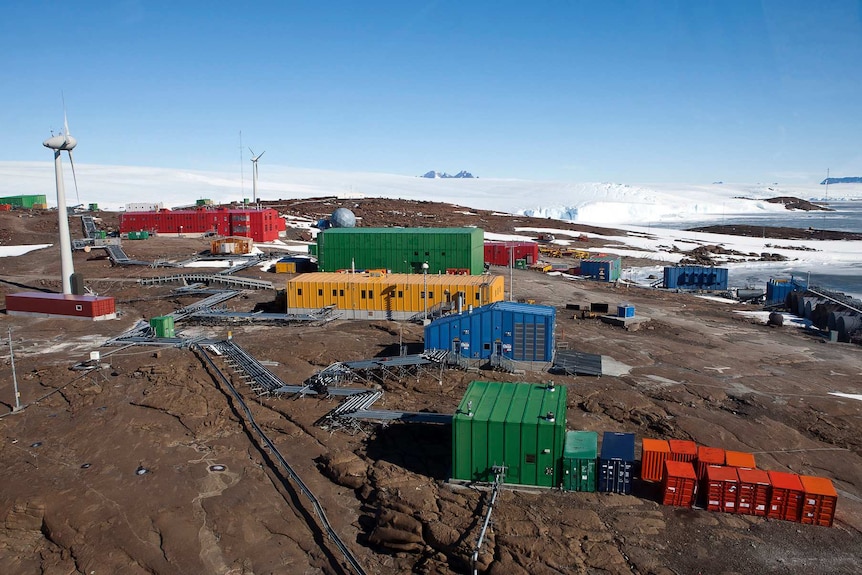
(59,143)
(254,160)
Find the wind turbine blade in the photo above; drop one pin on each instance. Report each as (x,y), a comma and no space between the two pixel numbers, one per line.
(252,154)
(262,153)
(74,177)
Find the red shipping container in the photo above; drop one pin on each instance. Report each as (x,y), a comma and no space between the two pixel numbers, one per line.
(753,498)
(5,207)
(679,484)
(721,486)
(653,456)
(819,500)
(708,456)
(682,450)
(80,306)
(785,499)
(739,459)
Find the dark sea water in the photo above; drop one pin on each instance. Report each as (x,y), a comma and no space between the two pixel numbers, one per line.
(846,217)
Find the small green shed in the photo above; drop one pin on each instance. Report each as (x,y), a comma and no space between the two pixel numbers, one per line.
(520,426)
(163,325)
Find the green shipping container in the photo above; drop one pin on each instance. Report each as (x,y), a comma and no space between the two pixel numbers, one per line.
(139,235)
(520,426)
(163,325)
(93,207)
(402,250)
(25,201)
(579,460)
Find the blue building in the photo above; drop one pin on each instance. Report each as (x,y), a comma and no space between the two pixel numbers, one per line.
(517,331)
(695,278)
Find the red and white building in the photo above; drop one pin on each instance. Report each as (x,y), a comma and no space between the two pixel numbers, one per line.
(505,253)
(40,304)
(260,225)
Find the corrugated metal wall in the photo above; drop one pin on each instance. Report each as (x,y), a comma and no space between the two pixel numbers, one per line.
(402,250)
(508,424)
(521,332)
(396,296)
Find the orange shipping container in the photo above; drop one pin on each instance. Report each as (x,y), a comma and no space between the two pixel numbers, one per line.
(820,499)
(753,498)
(739,459)
(679,483)
(682,450)
(721,487)
(785,499)
(653,456)
(708,456)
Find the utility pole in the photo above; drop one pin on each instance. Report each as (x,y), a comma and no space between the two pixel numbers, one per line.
(14,377)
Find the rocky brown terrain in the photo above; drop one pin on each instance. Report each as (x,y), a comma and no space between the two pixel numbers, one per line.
(147,465)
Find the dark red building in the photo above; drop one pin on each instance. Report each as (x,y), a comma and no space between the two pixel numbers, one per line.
(260,225)
(501,253)
(56,304)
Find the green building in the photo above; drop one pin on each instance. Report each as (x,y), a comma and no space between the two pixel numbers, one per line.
(520,426)
(402,250)
(24,201)
(163,325)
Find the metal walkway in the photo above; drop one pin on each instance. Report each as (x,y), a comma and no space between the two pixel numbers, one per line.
(215,316)
(205,304)
(207,278)
(259,378)
(268,444)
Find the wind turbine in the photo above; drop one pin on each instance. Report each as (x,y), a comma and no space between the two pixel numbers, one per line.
(254,160)
(60,143)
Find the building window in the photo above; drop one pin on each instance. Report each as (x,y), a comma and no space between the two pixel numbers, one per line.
(370,294)
(298,291)
(341,293)
(79,307)
(430,295)
(320,292)
(334,293)
(529,458)
(363,294)
(486,346)
(400,293)
(477,296)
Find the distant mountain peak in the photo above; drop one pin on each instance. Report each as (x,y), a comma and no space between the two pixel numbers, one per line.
(435,174)
(849,180)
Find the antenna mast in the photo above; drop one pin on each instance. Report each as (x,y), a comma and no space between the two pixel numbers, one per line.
(241,170)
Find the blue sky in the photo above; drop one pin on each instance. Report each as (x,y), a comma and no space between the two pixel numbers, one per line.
(619,91)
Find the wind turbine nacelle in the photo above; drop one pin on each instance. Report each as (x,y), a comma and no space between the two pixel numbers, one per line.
(60,142)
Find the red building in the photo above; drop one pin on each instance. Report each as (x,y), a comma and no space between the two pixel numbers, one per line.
(260,225)
(505,253)
(56,304)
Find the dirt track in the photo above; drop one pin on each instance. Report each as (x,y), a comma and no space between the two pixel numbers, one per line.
(695,370)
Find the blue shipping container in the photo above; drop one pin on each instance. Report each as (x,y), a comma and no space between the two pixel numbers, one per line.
(625,310)
(695,277)
(617,461)
(518,331)
(602,268)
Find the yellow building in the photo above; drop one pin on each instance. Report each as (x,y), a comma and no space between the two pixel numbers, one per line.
(376,295)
